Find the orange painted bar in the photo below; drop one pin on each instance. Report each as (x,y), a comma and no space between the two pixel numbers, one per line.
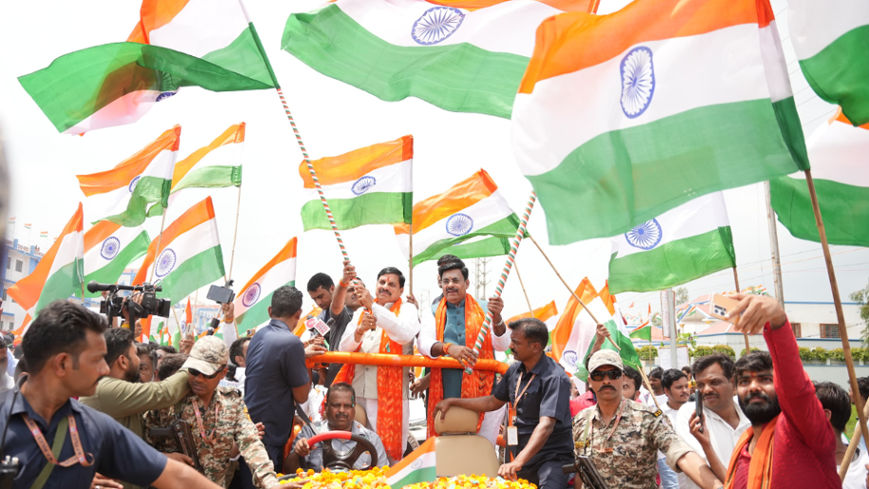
(390,360)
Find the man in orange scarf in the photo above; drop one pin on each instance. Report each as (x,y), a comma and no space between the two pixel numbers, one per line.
(453,331)
(790,443)
(382,325)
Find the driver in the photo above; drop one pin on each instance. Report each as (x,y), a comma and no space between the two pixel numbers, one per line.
(340,410)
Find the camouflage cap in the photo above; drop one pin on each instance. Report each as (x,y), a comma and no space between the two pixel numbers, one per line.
(604,357)
(208,355)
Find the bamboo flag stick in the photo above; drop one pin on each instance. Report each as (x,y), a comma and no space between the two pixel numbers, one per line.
(852,445)
(551,265)
(499,287)
(525,292)
(234,235)
(744,335)
(840,315)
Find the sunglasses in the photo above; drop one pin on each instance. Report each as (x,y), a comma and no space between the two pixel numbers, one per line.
(197,373)
(598,375)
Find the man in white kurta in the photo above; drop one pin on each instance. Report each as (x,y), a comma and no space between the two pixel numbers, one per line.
(364,334)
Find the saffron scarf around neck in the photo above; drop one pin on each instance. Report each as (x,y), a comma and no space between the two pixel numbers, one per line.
(389,392)
(760,467)
(479,383)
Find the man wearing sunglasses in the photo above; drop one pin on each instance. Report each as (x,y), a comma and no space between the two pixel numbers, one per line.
(622,437)
(217,418)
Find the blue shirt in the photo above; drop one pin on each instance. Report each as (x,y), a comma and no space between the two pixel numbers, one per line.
(548,394)
(454,332)
(275,364)
(117,452)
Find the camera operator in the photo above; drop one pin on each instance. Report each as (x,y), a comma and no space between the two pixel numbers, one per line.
(64,355)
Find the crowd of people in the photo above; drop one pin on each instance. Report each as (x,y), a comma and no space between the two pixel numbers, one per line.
(91,407)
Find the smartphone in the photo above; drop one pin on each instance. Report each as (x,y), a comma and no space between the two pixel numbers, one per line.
(722,305)
(698,407)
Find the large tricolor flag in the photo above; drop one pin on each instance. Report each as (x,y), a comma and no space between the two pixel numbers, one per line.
(370,185)
(126,193)
(831,40)
(189,254)
(419,466)
(177,43)
(680,245)
(253,300)
(213,166)
(471,219)
(108,249)
(58,275)
(460,55)
(839,167)
(621,117)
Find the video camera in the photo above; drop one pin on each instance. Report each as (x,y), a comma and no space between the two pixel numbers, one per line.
(114,306)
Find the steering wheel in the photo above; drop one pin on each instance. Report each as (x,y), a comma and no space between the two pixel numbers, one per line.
(344,461)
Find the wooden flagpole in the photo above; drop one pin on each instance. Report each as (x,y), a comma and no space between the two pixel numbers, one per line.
(775,256)
(840,315)
(852,445)
(744,335)
(234,236)
(525,292)
(551,265)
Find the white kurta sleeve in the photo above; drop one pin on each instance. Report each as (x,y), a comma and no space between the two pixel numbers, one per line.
(427,335)
(348,339)
(402,328)
(500,343)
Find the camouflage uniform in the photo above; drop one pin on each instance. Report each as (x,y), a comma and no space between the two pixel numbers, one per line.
(231,425)
(627,459)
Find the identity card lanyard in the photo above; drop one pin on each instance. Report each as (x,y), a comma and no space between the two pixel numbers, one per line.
(603,448)
(209,439)
(512,433)
(79,457)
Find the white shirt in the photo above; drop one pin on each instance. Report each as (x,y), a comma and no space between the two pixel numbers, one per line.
(722,436)
(855,478)
(402,329)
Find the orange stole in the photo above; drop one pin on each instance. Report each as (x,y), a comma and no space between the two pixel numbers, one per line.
(478,383)
(760,468)
(389,392)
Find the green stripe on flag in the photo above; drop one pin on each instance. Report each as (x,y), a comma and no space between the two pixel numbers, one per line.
(459,77)
(423,474)
(198,270)
(642,333)
(845,209)
(216,176)
(627,351)
(495,242)
(110,273)
(148,190)
(64,283)
(839,74)
(244,57)
(78,84)
(636,174)
(673,263)
(368,208)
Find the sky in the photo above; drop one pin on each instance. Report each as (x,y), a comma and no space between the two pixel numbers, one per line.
(335,118)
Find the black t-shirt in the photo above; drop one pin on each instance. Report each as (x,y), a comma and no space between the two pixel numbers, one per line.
(337,325)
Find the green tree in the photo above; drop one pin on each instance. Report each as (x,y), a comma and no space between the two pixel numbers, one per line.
(681,295)
(862,297)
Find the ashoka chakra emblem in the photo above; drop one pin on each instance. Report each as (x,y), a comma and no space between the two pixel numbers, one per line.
(459,224)
(645,236)
(638,81)
(363,185)
(436,24)
(569,357)
(133,183)
(110,248)
(164,95)
(165,263)
(251,295)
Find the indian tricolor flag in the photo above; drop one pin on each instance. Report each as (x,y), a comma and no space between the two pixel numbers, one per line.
(831,41)
(126,193)
(419,466)
(682,244)
(471,219)
(569,338)
(58,275)
(253,301)
(213,166)
(371,185)
(108,249)
(464,56)
(621,117)
(189,254)
(838,152)
(177,43)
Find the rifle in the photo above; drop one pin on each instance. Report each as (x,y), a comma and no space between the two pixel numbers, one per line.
(587,472)
(179,432)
